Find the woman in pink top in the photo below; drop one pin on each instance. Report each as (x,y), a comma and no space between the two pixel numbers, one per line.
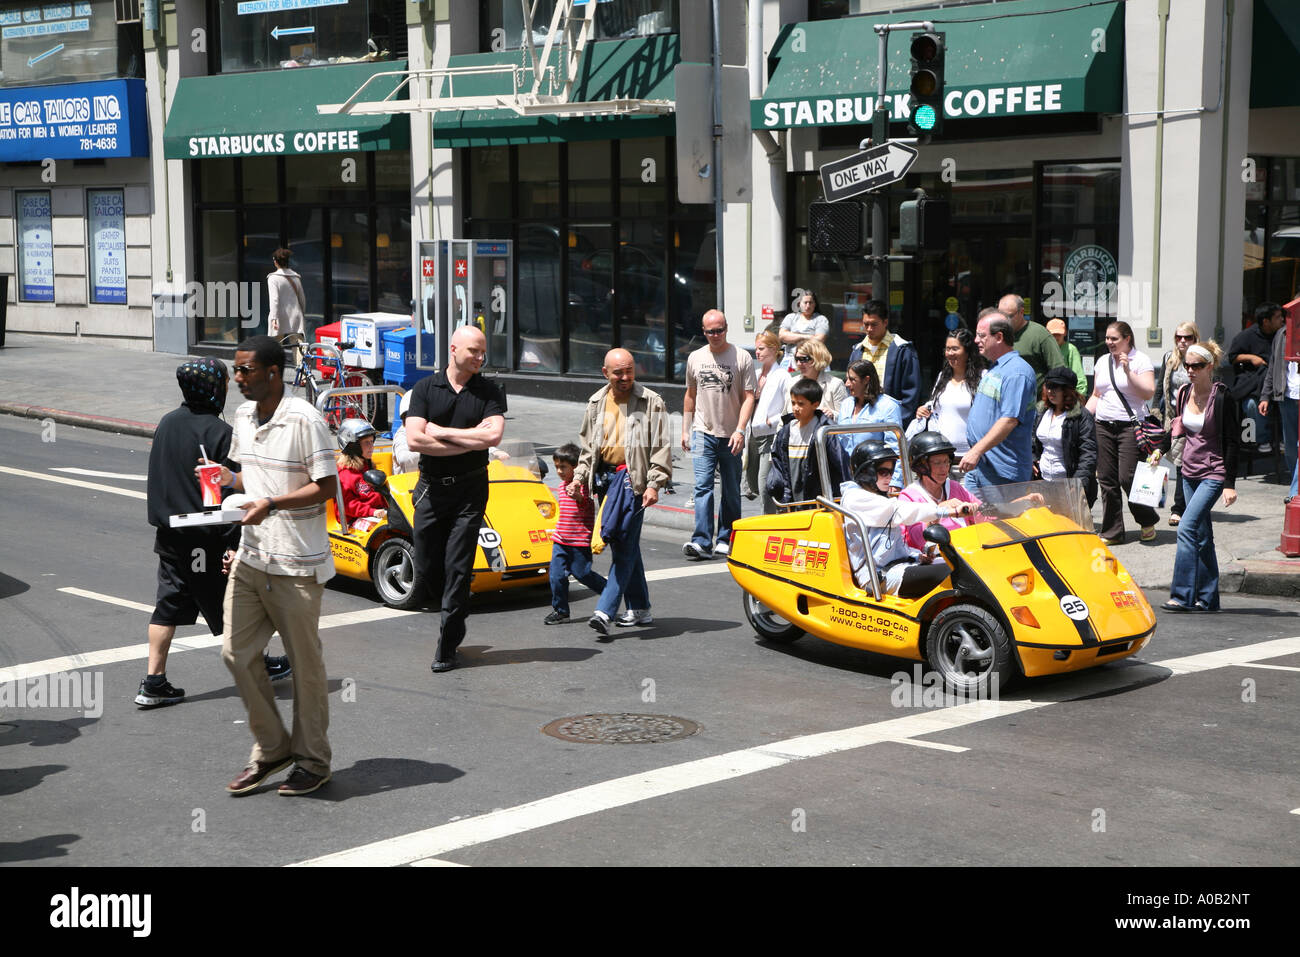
(932,456)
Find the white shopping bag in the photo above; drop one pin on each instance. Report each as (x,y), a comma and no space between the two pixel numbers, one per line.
(1148,485)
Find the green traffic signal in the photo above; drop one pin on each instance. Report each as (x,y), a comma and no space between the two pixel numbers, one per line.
(924,117)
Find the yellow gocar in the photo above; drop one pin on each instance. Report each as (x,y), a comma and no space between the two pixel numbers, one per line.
(1033,591)
(514,542)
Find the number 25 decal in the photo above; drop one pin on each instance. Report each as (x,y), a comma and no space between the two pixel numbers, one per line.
(1074,607)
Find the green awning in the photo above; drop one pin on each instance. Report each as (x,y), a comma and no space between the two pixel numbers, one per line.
(271,112)
(1274,51)
(639,68)
(1009,59)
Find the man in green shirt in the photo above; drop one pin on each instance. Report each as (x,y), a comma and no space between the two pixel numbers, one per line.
(1034,343)
(1070,352)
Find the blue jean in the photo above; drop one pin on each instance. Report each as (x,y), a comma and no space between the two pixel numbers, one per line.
(572,560)
(626,572)
(1196,570)
(1262,432)
(712,453)
(982,476)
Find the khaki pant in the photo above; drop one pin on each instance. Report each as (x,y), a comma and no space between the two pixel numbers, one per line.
(258,604)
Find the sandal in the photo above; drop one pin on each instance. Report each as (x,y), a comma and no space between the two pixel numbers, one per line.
(1174,519)
(1172,605)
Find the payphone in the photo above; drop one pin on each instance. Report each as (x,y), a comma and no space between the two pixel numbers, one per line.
(465,282)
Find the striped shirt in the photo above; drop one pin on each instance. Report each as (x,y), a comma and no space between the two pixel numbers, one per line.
(294,448)
(577,518)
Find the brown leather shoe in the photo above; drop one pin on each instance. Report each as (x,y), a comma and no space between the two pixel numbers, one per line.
(257,772)
(302,782)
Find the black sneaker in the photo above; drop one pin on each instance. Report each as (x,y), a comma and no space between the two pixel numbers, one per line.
(277,667)
(555,618)
(155,695)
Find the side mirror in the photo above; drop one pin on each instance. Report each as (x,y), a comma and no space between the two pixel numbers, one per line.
(936,534)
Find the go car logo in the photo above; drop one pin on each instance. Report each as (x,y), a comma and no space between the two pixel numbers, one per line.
(799,555)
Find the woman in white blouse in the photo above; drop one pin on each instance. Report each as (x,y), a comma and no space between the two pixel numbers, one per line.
(954,390)
(772,405)
(1125,376)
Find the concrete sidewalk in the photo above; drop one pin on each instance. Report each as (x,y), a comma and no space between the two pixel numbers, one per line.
(93,385)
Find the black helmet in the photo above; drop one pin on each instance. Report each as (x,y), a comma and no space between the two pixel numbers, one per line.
(926,444)
(866,456)
(351,432)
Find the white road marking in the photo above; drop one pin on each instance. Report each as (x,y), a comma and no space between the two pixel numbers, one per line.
(1252,664)
(634,788)
(59,479)
(95,474)
(110,599)
(664,574)
(435,862)
(1296,811)
(916,742)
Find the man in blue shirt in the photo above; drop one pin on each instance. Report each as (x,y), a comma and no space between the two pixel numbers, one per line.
(1001,421)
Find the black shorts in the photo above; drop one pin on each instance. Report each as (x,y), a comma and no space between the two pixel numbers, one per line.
(184,593)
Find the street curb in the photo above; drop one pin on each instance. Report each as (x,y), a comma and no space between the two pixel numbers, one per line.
(102,423)
(1271,577)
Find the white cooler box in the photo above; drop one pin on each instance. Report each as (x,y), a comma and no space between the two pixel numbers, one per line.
(366,330)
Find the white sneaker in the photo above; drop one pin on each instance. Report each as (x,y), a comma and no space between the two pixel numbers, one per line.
(722,548)
(692,550)
(1265,448)
(599,623)
(633,617)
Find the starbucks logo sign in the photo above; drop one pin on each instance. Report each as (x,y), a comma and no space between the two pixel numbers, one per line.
(1091,275)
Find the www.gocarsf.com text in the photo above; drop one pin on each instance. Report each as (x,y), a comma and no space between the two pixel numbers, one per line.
(76,910)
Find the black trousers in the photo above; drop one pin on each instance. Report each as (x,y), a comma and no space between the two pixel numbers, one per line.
(1117,459)
(447,521)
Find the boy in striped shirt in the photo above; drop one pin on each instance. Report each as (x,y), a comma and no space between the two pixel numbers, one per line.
(571,540)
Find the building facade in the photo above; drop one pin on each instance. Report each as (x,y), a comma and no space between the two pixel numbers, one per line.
(1066,182)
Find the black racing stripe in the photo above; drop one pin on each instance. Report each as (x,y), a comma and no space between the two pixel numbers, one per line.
(825,594)
(1010,531)
(1054,581)
(1024,538)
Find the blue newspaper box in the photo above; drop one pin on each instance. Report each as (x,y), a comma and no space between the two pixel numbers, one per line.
(399,358)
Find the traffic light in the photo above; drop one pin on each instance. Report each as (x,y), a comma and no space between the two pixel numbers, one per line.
(838,227)
(924,225)
(926,118)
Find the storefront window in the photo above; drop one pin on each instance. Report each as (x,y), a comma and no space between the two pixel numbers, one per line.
(643,176)
(538,255)
(35,246)
(284,34)
(330,226)
(501,22)
(539,181)
(590,185)
(107,229)
(1271,264)
(66,42)
(1078,245)
(490,182)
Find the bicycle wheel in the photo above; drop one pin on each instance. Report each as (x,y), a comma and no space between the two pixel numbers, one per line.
(358,406)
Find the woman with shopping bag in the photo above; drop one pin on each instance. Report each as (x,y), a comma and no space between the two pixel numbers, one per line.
(1124,382)
(1206,418)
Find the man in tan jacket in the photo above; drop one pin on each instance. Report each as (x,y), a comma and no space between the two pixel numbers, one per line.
(625,455)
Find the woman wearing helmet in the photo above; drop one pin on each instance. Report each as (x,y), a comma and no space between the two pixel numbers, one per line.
(903,570)
(360,499)
(932,456)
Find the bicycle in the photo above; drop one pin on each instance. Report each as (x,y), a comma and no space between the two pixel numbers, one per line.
(313,380)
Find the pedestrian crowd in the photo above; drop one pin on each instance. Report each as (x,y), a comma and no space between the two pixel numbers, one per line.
(1010,404)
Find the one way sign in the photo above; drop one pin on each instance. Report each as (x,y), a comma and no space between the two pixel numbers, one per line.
(868,170)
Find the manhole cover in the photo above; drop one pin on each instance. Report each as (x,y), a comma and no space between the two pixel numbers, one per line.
(620,728)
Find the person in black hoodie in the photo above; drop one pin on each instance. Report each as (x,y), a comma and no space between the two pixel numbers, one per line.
(1065,433)
(191,577)
(794,476)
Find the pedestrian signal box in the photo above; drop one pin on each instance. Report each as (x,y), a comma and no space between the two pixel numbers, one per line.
(841,227)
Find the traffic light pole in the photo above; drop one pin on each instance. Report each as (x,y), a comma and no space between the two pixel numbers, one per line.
(880,135)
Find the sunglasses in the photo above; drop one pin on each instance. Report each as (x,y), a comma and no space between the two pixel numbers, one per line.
(1188,338)
(884,470)
(1195,365)
(803,358)
(715,332)
(245,370)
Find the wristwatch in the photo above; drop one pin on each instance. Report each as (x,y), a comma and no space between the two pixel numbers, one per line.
(271,509)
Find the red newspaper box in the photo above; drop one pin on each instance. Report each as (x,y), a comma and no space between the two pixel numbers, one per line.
(329,333)
(1291,520)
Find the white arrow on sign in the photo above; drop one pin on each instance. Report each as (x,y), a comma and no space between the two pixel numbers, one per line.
(865,171)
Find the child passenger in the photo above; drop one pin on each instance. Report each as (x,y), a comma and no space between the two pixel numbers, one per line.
(903,570)
(362,503)
(571,540)
(794,475)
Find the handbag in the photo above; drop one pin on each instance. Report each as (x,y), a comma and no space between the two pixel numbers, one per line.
(1148,486)
(1149,431)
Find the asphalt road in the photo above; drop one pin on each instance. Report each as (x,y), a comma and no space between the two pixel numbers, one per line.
(803,754)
